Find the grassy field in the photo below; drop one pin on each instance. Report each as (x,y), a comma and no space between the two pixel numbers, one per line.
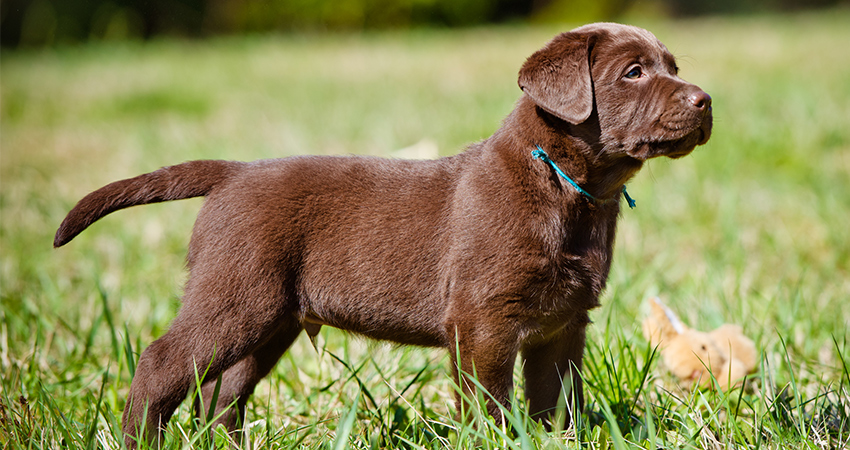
(752,229)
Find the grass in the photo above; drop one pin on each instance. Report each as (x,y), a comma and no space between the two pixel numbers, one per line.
(751,229)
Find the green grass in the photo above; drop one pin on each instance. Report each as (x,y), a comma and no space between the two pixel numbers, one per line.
(751,229)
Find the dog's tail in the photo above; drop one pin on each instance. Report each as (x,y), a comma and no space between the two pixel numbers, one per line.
(187,180)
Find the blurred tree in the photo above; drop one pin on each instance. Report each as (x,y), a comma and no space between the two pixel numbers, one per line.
(580,11)
(238,15)
(48,22)
(697,7)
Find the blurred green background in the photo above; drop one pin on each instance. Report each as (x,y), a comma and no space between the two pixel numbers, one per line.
(47,22)
(750,229)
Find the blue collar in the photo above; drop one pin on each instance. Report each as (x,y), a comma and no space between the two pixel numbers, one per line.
(540,154)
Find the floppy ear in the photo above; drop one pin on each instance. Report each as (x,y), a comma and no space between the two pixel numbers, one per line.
(557,77)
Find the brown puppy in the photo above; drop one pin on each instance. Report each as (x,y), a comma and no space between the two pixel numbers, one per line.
(490,250)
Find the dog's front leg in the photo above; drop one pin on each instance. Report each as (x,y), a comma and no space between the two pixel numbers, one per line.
(487,353)
(552,369)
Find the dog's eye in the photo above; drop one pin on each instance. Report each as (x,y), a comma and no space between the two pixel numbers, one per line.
(634,73)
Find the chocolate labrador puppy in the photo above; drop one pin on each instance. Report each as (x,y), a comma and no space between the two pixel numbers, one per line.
(497,251)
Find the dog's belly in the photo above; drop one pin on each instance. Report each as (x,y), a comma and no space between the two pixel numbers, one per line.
(378,280)
(412,322)
(383,294)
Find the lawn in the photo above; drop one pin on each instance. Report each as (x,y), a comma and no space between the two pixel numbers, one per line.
(750,229)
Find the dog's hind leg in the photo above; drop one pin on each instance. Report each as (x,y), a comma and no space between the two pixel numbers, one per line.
(222,322)
(238,382)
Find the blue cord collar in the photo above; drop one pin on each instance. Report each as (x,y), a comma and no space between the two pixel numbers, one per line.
(540,154)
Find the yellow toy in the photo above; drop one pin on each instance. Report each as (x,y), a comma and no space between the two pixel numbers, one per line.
(691,354)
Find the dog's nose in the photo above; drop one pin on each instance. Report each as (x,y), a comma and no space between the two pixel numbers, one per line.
(700,100)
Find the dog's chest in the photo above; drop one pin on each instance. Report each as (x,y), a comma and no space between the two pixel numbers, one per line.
(579,260)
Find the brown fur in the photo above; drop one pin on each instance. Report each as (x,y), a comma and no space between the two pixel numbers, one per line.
(488,249)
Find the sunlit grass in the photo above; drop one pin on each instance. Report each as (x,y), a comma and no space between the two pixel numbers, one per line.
(751,229)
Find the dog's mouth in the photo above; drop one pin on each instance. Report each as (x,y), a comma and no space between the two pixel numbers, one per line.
(705,127)
(677,141)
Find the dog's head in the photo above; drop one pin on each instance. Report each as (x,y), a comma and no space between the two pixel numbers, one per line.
(623,80)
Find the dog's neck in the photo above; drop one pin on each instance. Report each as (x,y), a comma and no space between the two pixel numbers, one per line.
(600,169)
